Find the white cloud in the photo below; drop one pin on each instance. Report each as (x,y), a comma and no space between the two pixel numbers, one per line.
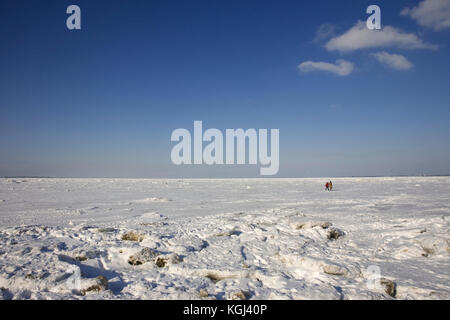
(434,14)
(360,37)
(341,67)
(394,61)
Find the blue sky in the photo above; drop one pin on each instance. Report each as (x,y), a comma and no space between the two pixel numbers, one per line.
(103,101)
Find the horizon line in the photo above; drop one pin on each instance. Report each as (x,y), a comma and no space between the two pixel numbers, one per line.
(231,178)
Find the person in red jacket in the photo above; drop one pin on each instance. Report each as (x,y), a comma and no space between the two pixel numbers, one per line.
(327,186)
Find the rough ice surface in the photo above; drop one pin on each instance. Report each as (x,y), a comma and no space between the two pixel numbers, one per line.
(225,239)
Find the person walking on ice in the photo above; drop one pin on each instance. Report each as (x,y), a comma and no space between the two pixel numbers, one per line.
(327,186)
(330,185)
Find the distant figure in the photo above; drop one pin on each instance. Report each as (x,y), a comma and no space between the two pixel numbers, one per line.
(327,186)
(330,186)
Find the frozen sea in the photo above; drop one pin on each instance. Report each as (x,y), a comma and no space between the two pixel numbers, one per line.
(369,238)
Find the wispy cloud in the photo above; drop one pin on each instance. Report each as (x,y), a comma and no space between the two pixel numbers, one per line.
(324,32)
(434,14)
(394,61)
(360,37)
(341,67)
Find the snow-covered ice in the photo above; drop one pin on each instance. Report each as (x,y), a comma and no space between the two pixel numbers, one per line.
(225,239)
